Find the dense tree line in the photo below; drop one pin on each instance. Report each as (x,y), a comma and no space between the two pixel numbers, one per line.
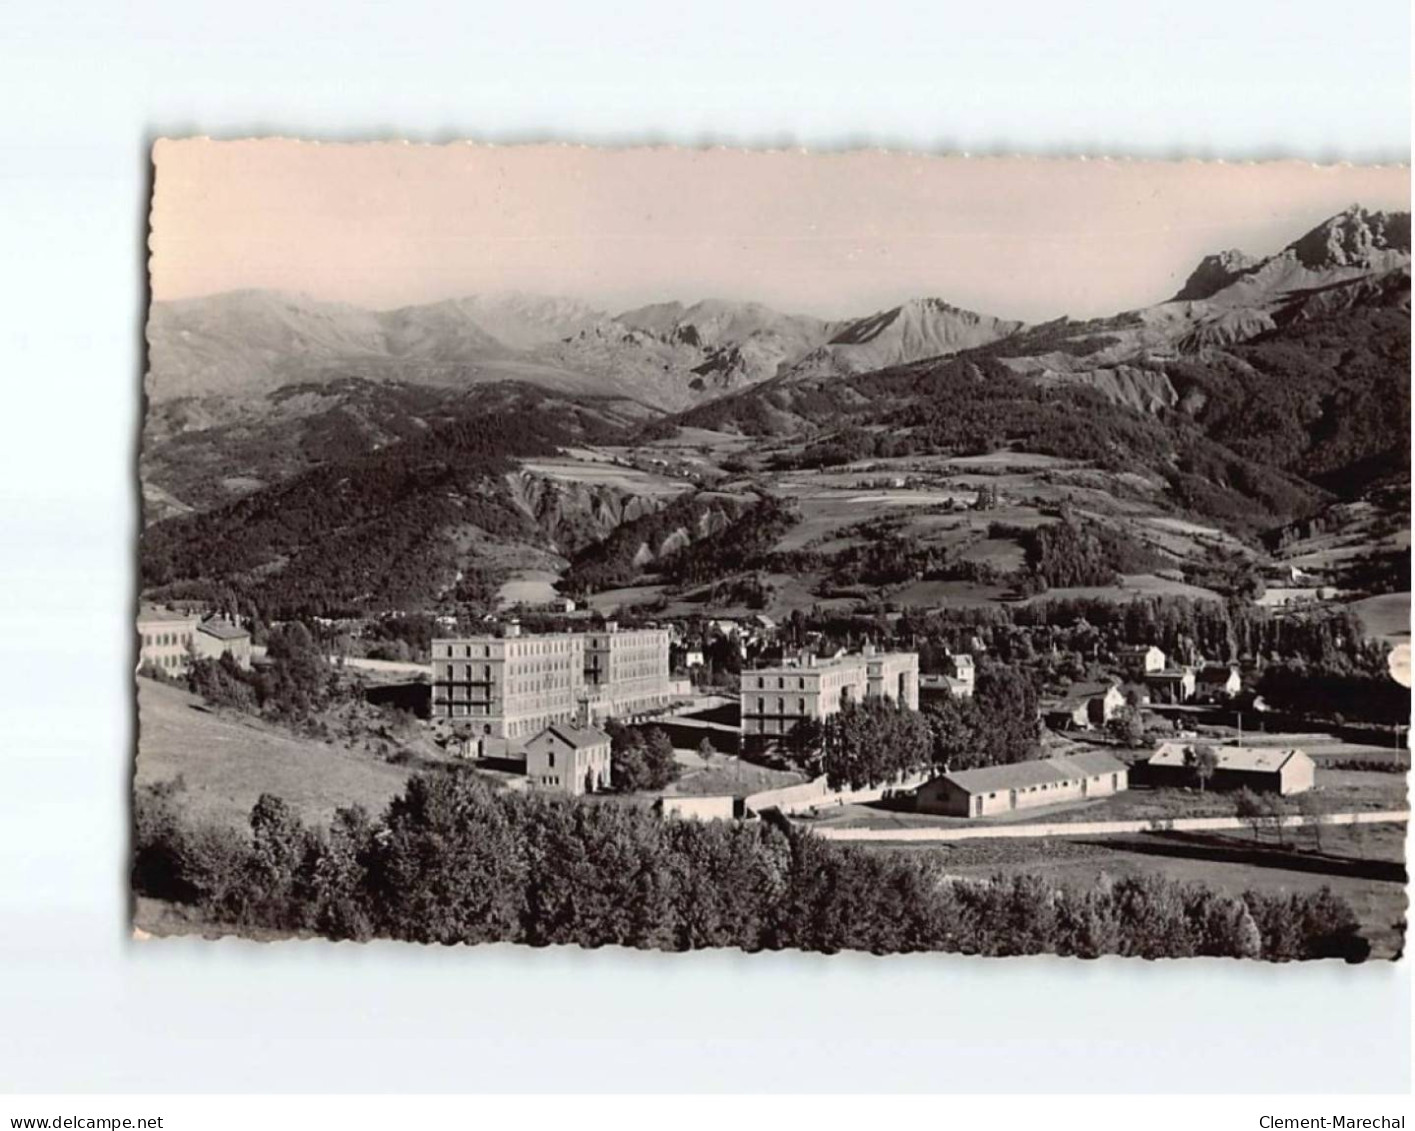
(996,726)
(870,743)
(1335,692)
(1072,553)
(1186,628)
(453,862)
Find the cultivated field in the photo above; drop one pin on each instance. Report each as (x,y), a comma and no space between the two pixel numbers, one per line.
(1386,617)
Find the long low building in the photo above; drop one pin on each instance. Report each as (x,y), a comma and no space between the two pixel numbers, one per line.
(994,790)
(1264,769)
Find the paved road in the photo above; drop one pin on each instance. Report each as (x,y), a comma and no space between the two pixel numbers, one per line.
(1095,828)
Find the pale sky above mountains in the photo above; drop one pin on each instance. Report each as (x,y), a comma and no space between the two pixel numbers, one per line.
(834,235)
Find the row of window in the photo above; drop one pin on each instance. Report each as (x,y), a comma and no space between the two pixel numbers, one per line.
(163,639)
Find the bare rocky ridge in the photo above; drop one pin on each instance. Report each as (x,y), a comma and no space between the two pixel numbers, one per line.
(668,355)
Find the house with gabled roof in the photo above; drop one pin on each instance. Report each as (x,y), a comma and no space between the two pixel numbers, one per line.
(994,790)
(1141,659)
(1217,681)
(567,758)
(1084,705)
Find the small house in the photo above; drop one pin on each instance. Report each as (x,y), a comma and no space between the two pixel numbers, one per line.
(1218,681)
(1173,685)
(1141,660)
(1085,705)
(569,759)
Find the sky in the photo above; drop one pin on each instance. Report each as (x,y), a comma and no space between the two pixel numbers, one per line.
(831,234)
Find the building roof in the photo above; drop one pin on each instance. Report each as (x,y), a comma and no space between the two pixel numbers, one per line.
(1250,759)
(223,630)
(1079,694)
(1089,763)
(1022,775)
(575,737)
(1138,649)
(1017,775)
(1216,673)
(150,614)
(1169,675)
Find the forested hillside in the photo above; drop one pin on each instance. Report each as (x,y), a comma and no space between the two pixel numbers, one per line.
(375,531)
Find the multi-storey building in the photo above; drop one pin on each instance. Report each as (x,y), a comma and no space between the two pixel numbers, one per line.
(170,640)
(166,639)
(515,686)
(893,675)
(775,699)
(509,686)
(626,672)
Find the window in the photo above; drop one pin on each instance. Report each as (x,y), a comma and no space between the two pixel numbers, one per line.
(552,759)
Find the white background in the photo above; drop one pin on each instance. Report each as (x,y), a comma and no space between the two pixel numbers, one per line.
(84,89)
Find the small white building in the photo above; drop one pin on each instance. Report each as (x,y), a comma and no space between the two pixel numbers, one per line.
(1218,681)
(569,759)
(1142,659)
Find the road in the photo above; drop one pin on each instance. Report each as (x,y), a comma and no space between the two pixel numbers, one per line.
(1096,828)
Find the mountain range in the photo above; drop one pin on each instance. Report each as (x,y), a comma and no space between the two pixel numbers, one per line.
(1263,389)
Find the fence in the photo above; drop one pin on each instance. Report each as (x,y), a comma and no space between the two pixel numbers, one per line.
(817,794)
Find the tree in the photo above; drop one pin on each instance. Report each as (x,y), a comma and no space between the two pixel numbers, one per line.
(1203,759)
(1313,807)
(662,765)
(873,743)
(953,732)
(641,761)
(805,745)
(1127,726)
(706,751)
(1007,715)
(1249,808)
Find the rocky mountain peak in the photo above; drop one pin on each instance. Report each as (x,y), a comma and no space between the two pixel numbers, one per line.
(1353,238)
(1216,272)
